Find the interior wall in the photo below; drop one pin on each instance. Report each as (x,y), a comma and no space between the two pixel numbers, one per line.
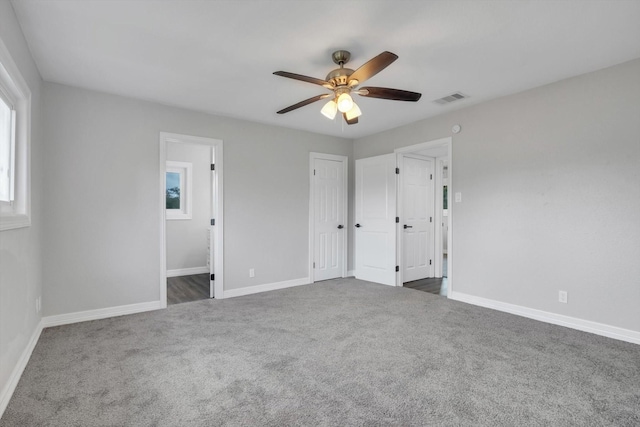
(187,243)
(541,174)
(103,220)
(20,249)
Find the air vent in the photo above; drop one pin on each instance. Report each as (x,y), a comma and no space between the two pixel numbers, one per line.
(450,98)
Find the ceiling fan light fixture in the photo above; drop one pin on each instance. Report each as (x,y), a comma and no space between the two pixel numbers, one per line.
(342,82)
(353,112)
(345,103)
(330,109)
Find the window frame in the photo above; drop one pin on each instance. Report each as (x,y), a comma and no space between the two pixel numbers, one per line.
(17,214)
(185,170)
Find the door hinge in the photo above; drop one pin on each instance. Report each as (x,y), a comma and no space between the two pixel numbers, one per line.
(397,219)
(314,171)
(397,268)
(213,221)
(429,262)
(314,265)
(213,277)
(397,171)
(431,176)
(430,219)
(213,166)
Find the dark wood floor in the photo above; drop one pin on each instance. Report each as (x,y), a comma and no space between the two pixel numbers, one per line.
(433,285)
(187,288)
(437,286)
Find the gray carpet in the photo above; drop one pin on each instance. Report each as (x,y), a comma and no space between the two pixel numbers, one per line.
(337,353)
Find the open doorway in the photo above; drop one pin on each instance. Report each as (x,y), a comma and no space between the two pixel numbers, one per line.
(379,217)
(191,214)
(423,216)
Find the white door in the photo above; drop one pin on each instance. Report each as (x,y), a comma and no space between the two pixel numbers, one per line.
(329,218)
(212,228)
(375,219)
(417,219)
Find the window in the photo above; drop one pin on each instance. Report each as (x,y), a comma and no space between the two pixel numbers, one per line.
(173,190)
(178,190)
(7,149)
(445,198)
(15,128)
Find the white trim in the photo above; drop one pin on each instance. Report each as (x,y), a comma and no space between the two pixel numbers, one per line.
(187,271)
(438,215)
(345,203)
(351,273)
(450,219)
(100,313)
(14,378)
(553,318)
(265,287)
(218,210)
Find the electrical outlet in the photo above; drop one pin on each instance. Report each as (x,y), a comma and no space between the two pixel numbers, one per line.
(562,297)
(458,197)
(38,305)
(252,272)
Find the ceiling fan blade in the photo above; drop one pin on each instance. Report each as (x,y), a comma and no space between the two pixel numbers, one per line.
(373,67)
(302,78)
(386,93)
(350,122)
(303,103)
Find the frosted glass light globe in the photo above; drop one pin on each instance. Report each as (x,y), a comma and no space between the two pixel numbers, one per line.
(345,103)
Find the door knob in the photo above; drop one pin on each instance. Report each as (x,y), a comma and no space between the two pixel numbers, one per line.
(340,227)
(358,226)
(407,226)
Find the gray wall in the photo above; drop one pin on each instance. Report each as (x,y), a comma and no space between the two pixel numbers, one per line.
(541,174)
(20,249)
(103,220)
(187,245)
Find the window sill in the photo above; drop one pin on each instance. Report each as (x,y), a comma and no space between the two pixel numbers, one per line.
(10,222)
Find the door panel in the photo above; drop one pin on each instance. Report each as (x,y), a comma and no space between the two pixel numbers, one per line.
(212,230)
(329,215)
(375,213)
(418,226)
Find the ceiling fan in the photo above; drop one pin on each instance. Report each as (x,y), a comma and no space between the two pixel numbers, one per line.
(343,82)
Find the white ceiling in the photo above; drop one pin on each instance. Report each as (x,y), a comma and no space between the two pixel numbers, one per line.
(218,56)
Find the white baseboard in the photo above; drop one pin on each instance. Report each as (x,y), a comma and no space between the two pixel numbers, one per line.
(265,287)
(10,387)
(556,319)
(187,271)
(101,313)
(351,273)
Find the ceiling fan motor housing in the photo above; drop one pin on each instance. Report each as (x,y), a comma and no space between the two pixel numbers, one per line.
(339,76)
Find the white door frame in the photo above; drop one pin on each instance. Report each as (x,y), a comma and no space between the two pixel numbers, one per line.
(439,218)
(438,213)
(218,209)
(345,207)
